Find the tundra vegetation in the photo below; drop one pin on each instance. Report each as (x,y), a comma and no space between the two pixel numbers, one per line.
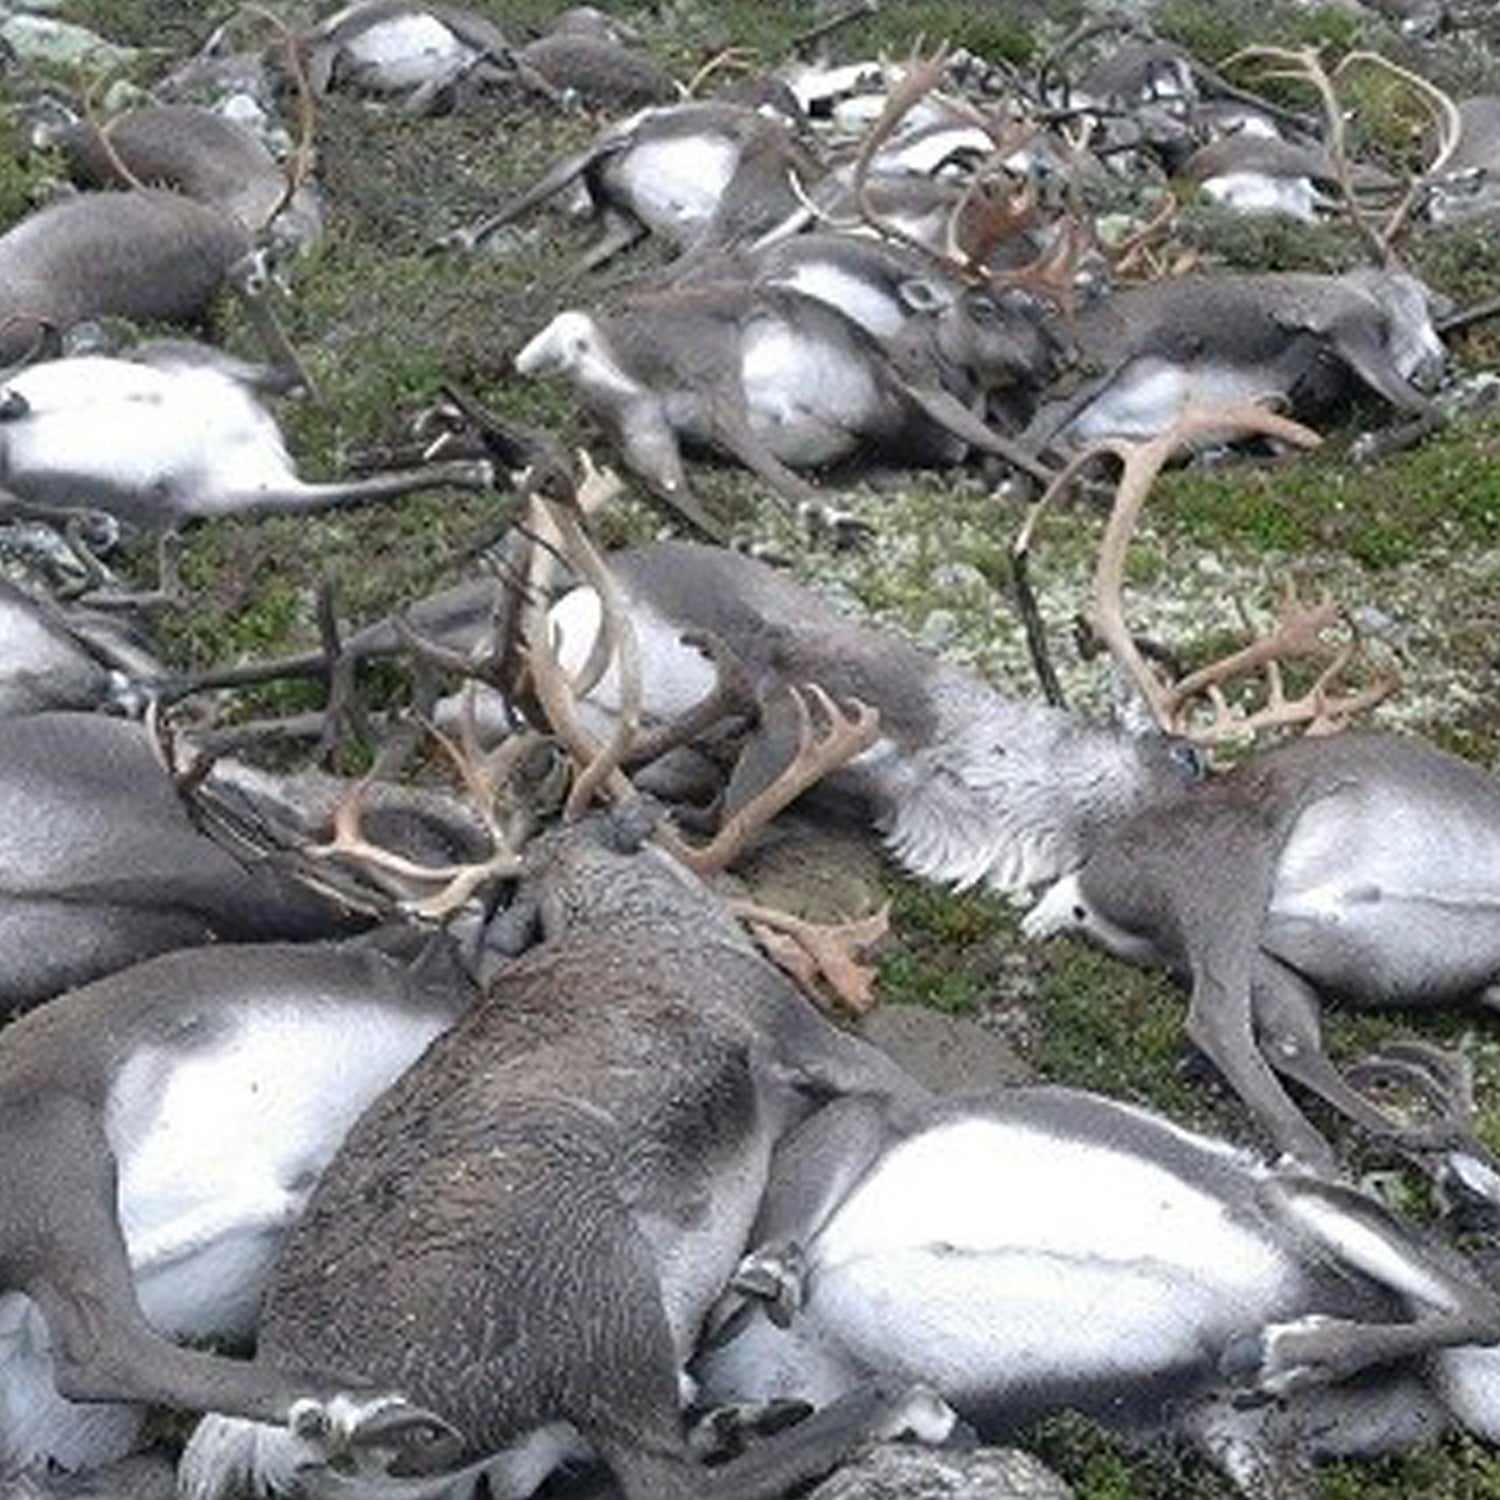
(1411,541)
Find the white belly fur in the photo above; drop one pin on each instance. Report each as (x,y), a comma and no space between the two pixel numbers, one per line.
(808,401)
(981,1257)
(218,1153)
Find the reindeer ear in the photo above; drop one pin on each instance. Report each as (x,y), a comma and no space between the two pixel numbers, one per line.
(921,294)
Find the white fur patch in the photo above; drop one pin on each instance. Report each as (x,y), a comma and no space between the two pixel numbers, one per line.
(674,185)
(403,53)
(857,297)
(190,431)
(980,1256)
(1262,193)
(219,1149)
(809,400)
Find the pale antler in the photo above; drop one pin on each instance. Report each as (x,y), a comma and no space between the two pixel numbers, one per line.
(847,734)
(819,956)
(1304,64)
(483,775)
(1299,632)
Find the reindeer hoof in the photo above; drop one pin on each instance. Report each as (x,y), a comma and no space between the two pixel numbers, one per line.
(398,1436)
(1282,1357)
(773,1277)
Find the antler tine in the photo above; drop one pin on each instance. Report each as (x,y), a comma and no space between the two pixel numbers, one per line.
(482,776)
(847,735)
(598,766)
(1299,632)
(1446,117)
(1142,462)
(921,76)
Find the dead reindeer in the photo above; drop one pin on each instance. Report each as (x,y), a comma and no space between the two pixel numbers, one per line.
(1039,1249)
(144,255)
(162,1129)
(412,48)
(973,340)
(1146,352)
(172,433)
(101,867)
(539,1253)
(965,785)
(707,176)
(197,152)
(775,379)
(586,55)
(1354,865)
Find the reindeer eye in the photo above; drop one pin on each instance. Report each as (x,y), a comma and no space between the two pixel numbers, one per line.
(1187,757)
(1079,914)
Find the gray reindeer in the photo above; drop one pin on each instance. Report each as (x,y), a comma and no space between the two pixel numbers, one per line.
(162,1128)
(1356,867)
(145,255)
(779,380)
(529,1228)
(100,866)
(1353,864)
(1042,1249)
(1146,352)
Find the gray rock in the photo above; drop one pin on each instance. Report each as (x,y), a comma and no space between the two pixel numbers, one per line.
(39,39)
(902,1472)
(950,1054)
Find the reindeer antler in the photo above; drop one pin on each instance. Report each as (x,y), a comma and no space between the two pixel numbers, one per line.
(1300,632)
(483,775)
(1305,65)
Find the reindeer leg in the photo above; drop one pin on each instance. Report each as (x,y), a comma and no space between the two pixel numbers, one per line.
(732,431)
(648,444)
(1286,1024)
(812,1172)
(1451,1307)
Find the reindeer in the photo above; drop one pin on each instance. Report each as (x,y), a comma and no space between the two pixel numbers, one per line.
(610,1124)
(410,47)
(162,1128)
(1146,351)
(210,448)
(144,255)
(967,786)
(609,1110)
(974,341)
(100,865)
(195,151)
(706,176)
(779,380)
(1352,864)
(1043,1249)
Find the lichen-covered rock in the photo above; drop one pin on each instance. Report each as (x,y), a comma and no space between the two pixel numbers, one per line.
(899,1472)
(47,42)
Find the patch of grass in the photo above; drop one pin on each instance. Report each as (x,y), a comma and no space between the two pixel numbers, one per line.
(947,951)
(1216,31)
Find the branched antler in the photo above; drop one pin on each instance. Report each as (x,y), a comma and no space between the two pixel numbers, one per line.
(1299,634)
(846,733)
(1304,65)
(437,891)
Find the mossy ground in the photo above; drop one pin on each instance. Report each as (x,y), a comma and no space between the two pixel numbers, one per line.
(1412,539)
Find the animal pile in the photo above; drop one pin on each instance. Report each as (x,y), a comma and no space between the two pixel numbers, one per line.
(416,1090)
